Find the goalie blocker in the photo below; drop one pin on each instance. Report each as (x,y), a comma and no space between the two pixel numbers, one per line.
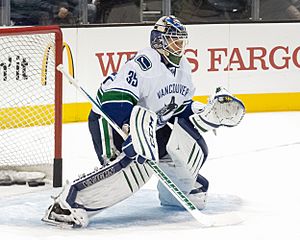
(111,184)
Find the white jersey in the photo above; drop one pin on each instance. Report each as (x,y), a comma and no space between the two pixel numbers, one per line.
(153,85)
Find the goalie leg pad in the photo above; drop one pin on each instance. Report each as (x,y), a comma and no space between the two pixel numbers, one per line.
(184,161)
(191,151)
(101,188)
(109,185)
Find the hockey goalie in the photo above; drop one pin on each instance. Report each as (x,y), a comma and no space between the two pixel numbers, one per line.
(150,99)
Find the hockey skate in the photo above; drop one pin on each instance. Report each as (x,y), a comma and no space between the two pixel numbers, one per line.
(198,195)
(57,215)
(61,214)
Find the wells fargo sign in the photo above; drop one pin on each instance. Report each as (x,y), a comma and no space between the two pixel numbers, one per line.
(219,59)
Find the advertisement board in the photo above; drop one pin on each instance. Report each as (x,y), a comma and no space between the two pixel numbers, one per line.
(259,63)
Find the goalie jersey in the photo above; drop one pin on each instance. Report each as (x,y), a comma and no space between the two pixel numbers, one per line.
(146,80)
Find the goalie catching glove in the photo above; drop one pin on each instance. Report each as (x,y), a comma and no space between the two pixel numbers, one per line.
(223,109)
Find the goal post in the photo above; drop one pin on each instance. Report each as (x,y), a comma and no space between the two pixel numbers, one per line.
(31,100)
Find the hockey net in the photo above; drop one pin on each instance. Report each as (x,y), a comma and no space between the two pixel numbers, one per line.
(30,104)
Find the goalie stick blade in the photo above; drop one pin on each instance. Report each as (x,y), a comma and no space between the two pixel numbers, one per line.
(218,220)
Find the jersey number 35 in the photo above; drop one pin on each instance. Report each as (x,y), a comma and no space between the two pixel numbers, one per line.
(132,79)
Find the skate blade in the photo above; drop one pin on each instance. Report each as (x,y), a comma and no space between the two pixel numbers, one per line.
(62,225)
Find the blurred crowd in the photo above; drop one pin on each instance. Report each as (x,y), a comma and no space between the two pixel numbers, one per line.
(73,12)
(45,12)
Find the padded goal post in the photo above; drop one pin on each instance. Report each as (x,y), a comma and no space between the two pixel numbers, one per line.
(31,100)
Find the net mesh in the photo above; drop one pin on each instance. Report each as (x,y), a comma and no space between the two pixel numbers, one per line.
(27,88)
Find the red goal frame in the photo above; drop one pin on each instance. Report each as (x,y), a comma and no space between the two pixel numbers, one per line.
(11,31)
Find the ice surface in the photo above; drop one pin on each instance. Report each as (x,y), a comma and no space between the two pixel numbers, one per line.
(253,171)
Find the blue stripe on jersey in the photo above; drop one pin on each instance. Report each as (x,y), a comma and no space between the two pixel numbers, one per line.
(119,112)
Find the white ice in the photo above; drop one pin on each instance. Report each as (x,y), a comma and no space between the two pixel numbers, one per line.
(253,171)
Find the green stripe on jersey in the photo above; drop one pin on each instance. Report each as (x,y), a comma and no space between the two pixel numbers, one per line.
(116,96)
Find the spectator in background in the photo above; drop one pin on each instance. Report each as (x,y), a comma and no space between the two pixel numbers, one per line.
(125,11)
(31,12)
(103,9)
(211,10)
(296,3)
(278,10)
(91,8)
(63,16)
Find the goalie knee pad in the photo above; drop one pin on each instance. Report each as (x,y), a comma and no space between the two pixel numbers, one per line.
(184,161)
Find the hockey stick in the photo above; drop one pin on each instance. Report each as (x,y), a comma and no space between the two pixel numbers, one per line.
(203,219)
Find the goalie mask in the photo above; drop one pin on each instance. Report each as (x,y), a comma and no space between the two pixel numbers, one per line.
(169,37)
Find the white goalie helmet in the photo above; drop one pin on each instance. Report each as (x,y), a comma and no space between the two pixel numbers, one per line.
(169,37)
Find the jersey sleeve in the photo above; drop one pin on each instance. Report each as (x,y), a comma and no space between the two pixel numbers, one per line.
(118,95)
